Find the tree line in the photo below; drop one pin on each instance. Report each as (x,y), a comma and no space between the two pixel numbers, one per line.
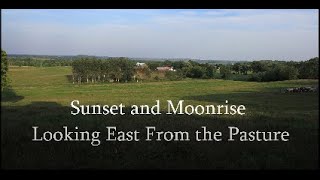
(261,71)
(96,70)
(92,69)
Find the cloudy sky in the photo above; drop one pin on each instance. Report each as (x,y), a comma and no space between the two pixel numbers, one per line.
(201,34)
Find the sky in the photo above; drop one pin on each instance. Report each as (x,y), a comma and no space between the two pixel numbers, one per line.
(209,34)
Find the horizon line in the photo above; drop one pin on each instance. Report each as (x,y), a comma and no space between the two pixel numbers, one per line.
(164,58)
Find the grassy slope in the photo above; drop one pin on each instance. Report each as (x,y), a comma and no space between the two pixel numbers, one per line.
(45,93)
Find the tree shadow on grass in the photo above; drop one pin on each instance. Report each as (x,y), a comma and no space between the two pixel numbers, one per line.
(43,104)
(257,99)
(9,95)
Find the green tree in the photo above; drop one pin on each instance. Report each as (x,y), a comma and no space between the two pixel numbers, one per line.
(4,70)
(290,72)
(209,71)
(309,69)
(225,71)
(244,68)
(195,72)
(153,65)
(178,64)
(105,70)
(236,67)
(259,66)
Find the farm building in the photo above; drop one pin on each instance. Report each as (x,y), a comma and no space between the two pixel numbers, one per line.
(141,64)
(166,68)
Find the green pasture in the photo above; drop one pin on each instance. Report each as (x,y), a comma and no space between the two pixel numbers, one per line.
(42,95)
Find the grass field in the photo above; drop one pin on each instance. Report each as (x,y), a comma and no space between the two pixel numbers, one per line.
(42,96)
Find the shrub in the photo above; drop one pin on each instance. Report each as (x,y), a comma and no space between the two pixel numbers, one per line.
(256,77)
(174,75)
(156,78)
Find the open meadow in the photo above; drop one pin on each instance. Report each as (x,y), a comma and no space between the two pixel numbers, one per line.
(41,96)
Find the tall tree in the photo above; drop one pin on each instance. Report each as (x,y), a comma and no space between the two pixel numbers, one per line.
(236,67)
(209,71)
(4,70)
(259,66)
(244,68)
(225,71)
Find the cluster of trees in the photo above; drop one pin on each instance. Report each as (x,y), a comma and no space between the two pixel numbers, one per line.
(308,69)
(96,70)
(279,73)
(241,67)
(280,70)
(190,69)
(197,70)
(4,70)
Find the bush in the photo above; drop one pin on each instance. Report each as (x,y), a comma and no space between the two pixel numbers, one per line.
(239,77)
(289,72)
(279,73)
(195,71)
(217,76)
(156,78)
(225,72)
(174,75)
(256,77)
(309,69)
